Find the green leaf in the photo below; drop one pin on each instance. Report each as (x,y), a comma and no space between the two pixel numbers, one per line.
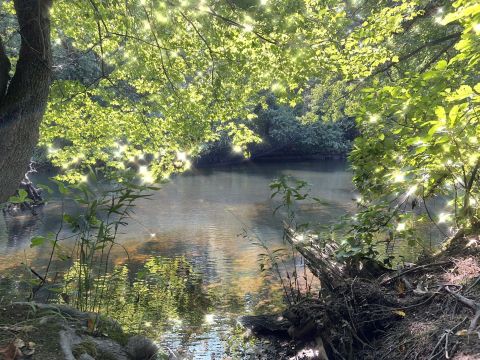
(37,241)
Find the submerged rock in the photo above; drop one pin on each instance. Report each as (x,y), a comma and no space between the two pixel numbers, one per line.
(265,324)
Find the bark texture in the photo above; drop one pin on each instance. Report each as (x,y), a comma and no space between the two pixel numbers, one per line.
(23,98)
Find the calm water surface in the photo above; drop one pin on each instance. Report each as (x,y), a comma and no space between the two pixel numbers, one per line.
(200,215)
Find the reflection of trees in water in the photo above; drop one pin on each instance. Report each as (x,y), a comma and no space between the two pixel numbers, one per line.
(161,293)
(16,229)
(161,296)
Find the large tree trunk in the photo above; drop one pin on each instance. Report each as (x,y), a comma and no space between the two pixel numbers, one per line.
(23,99)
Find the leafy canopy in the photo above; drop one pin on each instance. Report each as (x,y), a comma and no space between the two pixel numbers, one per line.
(420,133)
(146,82)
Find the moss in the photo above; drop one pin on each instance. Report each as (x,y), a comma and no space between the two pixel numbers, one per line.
(112,329)
(85,347)
(103,355)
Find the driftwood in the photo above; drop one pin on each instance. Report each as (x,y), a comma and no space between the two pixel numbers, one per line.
(319,259)
(34,195)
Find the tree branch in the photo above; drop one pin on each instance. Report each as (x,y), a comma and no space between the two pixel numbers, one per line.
(236,24)
(388,65)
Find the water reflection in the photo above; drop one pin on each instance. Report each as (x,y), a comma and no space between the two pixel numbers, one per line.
(16,230)
(199,216)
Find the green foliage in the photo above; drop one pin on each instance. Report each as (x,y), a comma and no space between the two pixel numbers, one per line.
(159,79)
(103,212)
(20,198)
(142,300)
(102,208)
(290,189)
(147,82)
(284,263)
(284,131)
(420,134)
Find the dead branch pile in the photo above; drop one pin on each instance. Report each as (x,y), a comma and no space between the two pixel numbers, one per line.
(357,309)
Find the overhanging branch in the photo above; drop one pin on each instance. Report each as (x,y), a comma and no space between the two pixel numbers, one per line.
(454,36)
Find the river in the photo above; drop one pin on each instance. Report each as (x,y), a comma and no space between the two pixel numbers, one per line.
(203,215)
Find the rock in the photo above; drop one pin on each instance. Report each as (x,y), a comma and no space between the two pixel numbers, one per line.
(305,330)
(85,357)
(265,324)
(78,340)
(109,349)
(141,348)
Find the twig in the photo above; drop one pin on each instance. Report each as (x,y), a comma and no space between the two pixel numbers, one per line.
(471,304)
(416,268)
(37,275)
(473,285)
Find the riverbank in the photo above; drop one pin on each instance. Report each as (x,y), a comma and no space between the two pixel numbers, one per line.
(426,311)
(263,159)
(57,332)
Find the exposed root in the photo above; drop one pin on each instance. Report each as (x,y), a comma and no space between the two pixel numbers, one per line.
(402,273)
(413,314)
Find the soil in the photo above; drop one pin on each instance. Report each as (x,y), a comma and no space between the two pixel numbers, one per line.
(445,297)
(20,322)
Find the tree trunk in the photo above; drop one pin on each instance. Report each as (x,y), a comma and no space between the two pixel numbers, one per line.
(23,99)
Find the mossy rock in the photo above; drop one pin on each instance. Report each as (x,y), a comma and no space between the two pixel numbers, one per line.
(103,355)
(85,347)
(112,329)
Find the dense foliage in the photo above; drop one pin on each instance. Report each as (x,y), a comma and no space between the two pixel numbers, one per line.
(420,134)
(285,132)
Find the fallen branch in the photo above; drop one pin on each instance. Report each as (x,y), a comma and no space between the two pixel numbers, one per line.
(411,270)
(471,304)
(445,335)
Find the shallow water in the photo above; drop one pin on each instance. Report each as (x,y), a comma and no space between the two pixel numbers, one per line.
(201,215)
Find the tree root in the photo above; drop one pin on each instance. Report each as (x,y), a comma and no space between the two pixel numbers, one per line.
(357,315)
